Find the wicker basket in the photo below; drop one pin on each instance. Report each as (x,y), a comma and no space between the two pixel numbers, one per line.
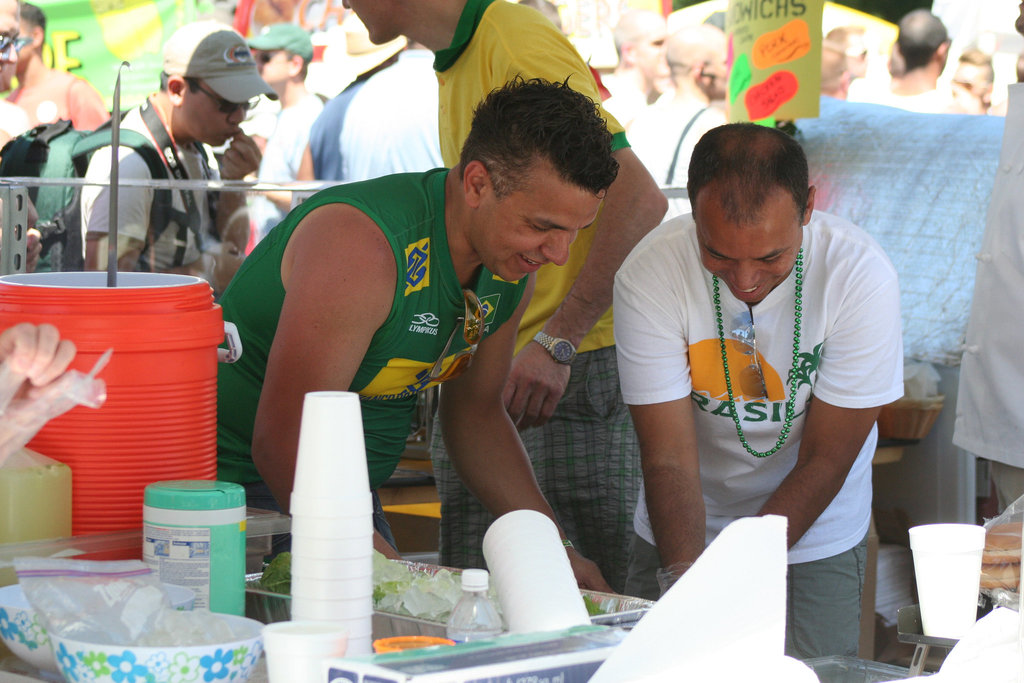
(909,418)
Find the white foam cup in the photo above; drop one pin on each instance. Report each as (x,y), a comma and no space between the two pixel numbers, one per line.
(360,645)
(947,564)
(332,548)
(331,588)
(331,454)
(330,527)
(336,611)
(344,507)
(337,568)
(297,650)
(532,574)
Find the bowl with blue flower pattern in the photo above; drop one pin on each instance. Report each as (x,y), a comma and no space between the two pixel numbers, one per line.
(234,659)
(26,637)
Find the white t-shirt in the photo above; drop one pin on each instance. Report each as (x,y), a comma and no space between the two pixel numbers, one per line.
(654,134)
(282,156)
(134,204)
(392,126)
(851,353)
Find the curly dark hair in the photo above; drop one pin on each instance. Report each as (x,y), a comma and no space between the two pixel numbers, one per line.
(749,160)
(529,119)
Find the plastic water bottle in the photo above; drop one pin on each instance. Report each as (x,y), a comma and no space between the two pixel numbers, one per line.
(474,616)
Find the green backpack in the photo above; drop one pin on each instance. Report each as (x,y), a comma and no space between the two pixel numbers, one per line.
(56,150)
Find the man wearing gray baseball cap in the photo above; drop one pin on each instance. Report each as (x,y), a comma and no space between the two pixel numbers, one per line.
(209,83)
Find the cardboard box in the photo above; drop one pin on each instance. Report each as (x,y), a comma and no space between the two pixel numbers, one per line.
(570,656)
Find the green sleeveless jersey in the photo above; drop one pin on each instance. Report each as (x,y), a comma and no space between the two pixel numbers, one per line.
(409,209)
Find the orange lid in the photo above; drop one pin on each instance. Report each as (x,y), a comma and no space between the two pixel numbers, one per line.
(399,643)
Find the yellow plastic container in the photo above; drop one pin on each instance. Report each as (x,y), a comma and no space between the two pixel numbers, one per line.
(35,498)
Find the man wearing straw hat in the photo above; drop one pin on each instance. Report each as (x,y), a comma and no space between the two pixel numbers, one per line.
(209,82)
(323,158)
(388,287)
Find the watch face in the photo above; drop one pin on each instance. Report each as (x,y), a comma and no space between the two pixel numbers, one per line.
(562,351)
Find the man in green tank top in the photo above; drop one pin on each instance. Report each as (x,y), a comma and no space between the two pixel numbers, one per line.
(391,286)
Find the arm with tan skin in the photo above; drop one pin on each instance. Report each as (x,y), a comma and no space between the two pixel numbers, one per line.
(497,471)
(671,468)
(339,275)
(831,440)
(241,158)
(633,206)
(305,171)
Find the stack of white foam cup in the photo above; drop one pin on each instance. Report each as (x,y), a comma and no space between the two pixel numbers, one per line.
(332,519)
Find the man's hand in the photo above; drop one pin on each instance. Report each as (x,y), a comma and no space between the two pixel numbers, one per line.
(33,248)
(241,158)
(225,265)
(588,576)
(534,387)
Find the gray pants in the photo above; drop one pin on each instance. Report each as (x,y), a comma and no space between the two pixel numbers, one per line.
(822,598)
(587,463)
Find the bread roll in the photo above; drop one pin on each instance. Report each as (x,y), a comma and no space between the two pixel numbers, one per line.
(1004,575)
(1001,559)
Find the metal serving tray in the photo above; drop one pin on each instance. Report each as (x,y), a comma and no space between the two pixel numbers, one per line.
(618,610)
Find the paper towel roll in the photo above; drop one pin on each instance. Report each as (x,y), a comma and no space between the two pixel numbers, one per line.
(532,574)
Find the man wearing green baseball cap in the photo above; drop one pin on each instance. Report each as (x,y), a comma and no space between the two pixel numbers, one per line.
(283,53)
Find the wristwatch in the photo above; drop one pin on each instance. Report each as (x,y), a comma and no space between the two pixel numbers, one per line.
(561,350)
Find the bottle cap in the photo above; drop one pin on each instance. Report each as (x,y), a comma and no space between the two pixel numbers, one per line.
(474,579)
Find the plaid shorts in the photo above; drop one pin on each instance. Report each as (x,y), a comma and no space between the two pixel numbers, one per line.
(587,462)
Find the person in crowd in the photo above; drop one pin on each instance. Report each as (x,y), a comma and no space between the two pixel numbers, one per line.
(727,321)
(663,134)
(972,83)
(323,158)
(209,82)
(13,119)
(392,126)
(46,94)
(989,417)
(283,53)
(915,64)
(641,76)
(850,41)
(391,286)
(835,72)
(562,391)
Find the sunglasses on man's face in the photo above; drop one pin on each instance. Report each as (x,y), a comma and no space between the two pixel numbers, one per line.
(265,57)
(472,330)
(223,106)
(12,44)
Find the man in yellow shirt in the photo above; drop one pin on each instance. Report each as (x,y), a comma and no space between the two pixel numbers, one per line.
(562,391)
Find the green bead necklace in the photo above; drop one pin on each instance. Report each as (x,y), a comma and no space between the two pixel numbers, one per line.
(793,378)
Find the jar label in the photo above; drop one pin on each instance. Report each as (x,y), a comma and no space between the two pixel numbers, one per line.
(180,556)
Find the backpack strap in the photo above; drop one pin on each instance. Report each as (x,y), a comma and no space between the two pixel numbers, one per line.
(169,152)
(679,144)
(162,211)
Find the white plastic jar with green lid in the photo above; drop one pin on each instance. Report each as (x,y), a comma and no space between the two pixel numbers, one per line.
(194,536)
